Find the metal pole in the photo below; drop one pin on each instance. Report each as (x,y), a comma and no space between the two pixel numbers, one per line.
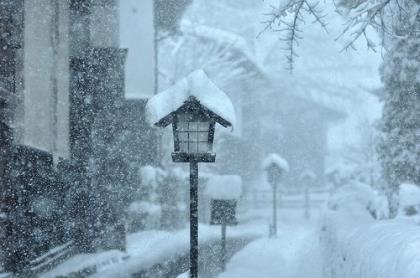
(274,209)
(307,203)
(193,219)
(223,249)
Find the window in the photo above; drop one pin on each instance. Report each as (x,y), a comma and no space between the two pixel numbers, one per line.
(193,137)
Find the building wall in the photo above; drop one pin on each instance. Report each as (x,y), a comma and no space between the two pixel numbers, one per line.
(296,129)
(45,95)
(104,23)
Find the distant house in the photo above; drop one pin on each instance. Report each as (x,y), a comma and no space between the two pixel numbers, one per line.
(296,126)
(270,118)
(275,113)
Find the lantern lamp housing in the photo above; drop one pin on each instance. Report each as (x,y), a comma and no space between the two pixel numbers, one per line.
(274,173)
(193,128)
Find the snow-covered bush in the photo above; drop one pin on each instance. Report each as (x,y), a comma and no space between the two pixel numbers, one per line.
(224,187)
(144,210)
(171,197)
(409,200)
(354,199)
(151,179)
(143,215)
(354,244)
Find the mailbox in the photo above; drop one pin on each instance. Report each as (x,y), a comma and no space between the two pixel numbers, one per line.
(223,212)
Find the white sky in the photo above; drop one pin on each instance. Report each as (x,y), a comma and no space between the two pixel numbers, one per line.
(137,34)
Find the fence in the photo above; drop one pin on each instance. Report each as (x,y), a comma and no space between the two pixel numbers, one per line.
(263,198)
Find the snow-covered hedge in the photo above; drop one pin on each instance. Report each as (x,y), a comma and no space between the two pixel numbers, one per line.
(224,187)
(354,244)
(409,200)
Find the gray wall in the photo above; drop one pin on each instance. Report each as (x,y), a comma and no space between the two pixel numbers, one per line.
(43,119)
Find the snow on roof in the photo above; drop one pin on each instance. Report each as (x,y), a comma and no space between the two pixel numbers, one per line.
(224,38)
(198,85)
(276,159)
(224,187)
(218,35)
(409,195)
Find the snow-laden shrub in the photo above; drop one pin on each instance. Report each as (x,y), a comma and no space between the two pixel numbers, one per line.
(409,201)
(172,198)
(143,215)
(144,211)
(354,244)
(352,195)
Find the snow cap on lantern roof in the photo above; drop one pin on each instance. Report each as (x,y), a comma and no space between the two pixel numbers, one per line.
(224,187)
(308,174)
(276,160)
(161,107)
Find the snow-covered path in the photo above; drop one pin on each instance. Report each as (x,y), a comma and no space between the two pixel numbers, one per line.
(293,254)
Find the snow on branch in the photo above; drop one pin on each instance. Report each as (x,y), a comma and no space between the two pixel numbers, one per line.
(286,19)
(361,16)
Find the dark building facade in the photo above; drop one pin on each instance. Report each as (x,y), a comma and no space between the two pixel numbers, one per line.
(63,119)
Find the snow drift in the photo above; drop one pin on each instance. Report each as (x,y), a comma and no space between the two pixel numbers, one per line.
(354,244)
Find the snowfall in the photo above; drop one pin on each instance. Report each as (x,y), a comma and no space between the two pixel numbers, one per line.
(342,239)
(340,231)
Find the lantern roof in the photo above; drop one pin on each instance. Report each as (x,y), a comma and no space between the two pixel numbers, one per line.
(197,87)
(275,159)
(308,174)
(224,187)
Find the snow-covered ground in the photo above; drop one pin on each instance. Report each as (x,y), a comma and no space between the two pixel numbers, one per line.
(158,252)
(149,250)
(342,239)
(293,253)
(354,244)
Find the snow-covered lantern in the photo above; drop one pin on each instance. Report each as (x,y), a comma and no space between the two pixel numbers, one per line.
(224,192)
(275,166)
(308,176)
(193,106)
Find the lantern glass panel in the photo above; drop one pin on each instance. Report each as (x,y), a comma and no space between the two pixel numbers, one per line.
(193,137)
(182,126)
(203,147)
(183,147)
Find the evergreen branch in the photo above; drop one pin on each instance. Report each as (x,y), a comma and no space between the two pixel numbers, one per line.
(278,22)
(363,17)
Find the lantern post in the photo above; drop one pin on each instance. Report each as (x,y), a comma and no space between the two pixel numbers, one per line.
(193,219)
(275,166)
(307,179)
(186,105)
(274,173)
(224,192)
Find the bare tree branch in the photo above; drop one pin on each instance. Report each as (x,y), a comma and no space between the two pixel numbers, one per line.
(360,15)
(287,19)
